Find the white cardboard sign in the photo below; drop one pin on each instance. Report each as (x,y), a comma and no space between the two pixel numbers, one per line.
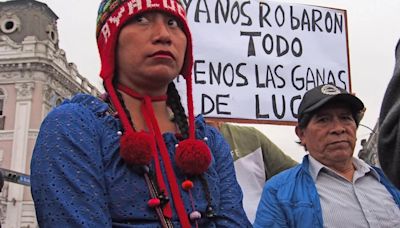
(254,59)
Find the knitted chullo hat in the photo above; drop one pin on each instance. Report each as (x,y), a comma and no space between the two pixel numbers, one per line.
(192,156)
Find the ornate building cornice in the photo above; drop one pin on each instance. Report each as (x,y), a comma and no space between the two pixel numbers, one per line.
(21,61)
(24,90)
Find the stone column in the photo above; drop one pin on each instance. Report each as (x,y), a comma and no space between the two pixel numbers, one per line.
(24,91)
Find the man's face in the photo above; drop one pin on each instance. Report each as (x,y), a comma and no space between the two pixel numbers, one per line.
(330,135)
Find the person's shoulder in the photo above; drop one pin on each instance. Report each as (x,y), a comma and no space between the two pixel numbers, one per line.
(203,130)
(284,178)
(243,135)
(380,172)
(78,105)
(90,102)
(83,101)
(241,128)
(202,127)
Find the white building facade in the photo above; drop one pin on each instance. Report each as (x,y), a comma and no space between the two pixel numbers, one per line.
(35,76)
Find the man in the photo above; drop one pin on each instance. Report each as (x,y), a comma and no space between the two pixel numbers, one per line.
(389,121)
(331,188)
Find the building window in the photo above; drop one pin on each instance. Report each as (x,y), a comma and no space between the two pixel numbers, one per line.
(58,101)
(9,24)
(52,33)
(55,101)
(2,116)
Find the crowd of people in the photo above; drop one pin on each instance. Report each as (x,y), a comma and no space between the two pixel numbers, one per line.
(135,158)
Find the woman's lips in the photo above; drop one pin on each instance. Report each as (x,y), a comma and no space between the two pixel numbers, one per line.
(163,54)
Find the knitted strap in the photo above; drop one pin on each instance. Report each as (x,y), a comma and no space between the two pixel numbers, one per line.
(153,194)
(136,95)
(190,107)
(160,180)
(152,124)
(176,195)
(167,210)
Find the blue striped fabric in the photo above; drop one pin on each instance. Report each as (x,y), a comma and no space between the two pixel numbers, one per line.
(364,202)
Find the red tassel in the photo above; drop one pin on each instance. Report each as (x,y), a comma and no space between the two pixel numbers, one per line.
(187,185)
(135,148)
(193,156)
(154,202)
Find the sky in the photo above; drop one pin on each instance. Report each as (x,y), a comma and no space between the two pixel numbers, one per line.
(373,31)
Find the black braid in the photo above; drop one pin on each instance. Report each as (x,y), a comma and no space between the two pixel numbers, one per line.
(119,96)
(174,102)
(209,210)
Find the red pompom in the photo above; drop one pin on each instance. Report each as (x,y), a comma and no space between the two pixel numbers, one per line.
(135,148)
(155,202)
(193,156)
(187,185)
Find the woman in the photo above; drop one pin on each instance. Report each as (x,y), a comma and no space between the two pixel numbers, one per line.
(135,159)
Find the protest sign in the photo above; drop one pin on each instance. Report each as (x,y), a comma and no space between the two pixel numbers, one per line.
(253,60)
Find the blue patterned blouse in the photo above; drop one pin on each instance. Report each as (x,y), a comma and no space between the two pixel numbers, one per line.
(79,180)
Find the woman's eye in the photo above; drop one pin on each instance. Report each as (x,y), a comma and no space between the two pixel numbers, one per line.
(173,22)
(141,19)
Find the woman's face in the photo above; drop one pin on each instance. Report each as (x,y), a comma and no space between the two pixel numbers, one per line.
(150,52)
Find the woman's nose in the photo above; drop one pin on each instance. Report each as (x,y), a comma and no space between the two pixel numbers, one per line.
(161,32)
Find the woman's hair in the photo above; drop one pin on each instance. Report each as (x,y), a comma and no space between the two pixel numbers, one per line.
(174,102)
